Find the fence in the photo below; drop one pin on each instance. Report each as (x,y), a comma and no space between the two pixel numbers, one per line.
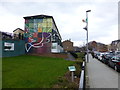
(12,47)
(82,78)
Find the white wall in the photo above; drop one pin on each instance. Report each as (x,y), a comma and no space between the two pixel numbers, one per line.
(56,48)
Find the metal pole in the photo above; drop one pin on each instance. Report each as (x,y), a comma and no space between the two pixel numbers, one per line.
(72,76)
(86,28)
(87,35)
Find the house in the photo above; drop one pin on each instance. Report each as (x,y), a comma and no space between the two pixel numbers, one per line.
(102,47)
(18,30)
(109,47)
(96,46)
(77,49)
(115,45)
(118,46)
(5,35)
(42,35)
(67,45)
(92,46)
(18,33)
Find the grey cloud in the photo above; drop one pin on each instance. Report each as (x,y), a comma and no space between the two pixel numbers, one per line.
(106,11)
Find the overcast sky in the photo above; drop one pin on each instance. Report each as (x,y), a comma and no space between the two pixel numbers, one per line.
(68,15)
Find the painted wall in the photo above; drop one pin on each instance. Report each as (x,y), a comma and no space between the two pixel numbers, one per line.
(38,35)
(17,47)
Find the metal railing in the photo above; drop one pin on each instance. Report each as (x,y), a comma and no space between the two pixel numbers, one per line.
(82,78)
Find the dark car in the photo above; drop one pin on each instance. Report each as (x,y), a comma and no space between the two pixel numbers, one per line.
(96,54)
(114,62)
(106,57)
(117,52)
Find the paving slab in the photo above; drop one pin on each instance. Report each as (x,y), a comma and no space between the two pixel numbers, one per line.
(100,75)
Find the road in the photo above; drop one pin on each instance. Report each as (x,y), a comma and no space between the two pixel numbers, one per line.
(100,75)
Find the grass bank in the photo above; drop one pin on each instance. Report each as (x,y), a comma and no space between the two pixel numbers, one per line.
(81,56)
(32,71)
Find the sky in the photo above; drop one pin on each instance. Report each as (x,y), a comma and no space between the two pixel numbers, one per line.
(68,15)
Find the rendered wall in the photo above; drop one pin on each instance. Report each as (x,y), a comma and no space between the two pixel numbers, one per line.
(19,48)
(38,35)
(56,48)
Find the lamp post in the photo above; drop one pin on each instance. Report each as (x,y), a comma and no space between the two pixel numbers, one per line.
(86,28)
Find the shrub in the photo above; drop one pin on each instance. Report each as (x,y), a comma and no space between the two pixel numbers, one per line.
(74,54)
(78,66)
(72,86)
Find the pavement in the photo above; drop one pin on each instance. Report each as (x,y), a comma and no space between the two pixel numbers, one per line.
(99,75)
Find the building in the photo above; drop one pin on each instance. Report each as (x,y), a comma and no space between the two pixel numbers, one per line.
(109,47)
(67,45)
(96,46)
(115,45)
(119,20)
(102,47)
(18,33)
(5,35)
(77,49)
(9,46)
(42,35)
(118,46)
(92,46)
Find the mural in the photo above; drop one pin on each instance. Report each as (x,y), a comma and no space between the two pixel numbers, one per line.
(37,32)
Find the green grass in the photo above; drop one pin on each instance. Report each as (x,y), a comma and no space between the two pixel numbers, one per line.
(32,71)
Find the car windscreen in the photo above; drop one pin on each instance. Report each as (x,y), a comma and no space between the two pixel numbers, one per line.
(116,58)
(109,55)
(118,53)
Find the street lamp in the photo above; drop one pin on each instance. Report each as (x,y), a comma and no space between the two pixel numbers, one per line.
(86,28)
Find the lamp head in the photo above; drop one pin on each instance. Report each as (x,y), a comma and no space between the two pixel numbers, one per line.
(88,11)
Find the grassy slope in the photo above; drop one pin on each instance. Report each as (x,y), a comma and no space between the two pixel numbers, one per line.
(80,56)
(32,71)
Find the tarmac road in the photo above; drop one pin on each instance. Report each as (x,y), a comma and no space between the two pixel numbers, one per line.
(100,75)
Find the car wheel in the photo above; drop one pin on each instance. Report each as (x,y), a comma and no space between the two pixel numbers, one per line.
(115,67)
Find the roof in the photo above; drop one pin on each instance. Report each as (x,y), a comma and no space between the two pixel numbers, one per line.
(43,16)
(6,34)
(115,41)
(37,16)
(18,29)
(67,41)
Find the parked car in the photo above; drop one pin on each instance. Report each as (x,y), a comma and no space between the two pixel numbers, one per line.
(96,54)
(106,57)
(114,62)
(117,52)
(100,56)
